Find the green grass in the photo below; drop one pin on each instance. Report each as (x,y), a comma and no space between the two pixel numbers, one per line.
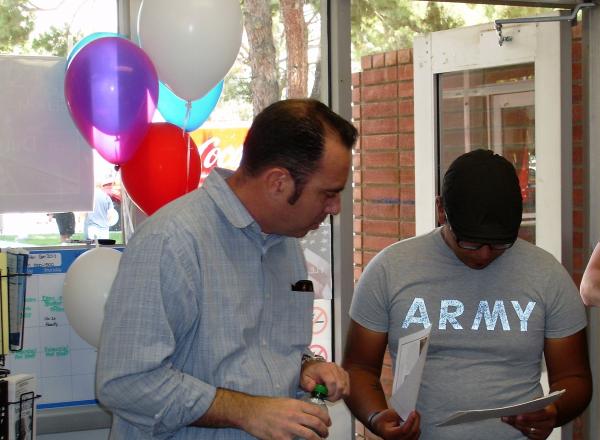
(52,239)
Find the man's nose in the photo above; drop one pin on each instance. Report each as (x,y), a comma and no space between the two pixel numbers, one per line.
(334,206)
(484,252)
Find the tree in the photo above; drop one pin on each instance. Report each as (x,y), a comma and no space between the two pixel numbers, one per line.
(262,56)
(384,25)
(17,21)
(494,12)
(437,19)
(16,24)
(295,26)
(55,41)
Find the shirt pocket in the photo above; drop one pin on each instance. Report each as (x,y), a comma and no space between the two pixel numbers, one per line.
(293,328)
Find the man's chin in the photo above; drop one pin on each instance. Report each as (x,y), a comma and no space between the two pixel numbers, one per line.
(478,266)
(306,231)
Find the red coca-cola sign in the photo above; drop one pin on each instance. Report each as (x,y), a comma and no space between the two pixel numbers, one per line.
(209,157)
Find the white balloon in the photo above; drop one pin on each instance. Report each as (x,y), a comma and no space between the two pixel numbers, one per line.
(86,288)
(192,43)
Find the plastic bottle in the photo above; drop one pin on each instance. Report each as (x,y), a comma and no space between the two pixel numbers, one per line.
(317,397)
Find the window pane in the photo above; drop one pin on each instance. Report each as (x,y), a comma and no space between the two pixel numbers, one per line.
(492,109)
(52,28)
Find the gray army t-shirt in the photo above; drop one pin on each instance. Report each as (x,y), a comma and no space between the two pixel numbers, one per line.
(488,326)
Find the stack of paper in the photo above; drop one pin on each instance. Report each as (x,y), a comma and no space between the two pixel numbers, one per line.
(17,287)
(21,406)
(4,303)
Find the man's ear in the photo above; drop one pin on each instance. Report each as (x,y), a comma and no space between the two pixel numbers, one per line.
(439,208)
(278,182)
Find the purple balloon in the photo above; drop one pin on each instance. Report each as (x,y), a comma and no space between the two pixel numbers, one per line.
(111,89)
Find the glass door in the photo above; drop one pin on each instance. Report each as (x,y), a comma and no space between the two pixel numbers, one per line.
(471,92)
(494,109)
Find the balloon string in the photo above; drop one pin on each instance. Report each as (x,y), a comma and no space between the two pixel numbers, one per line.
(188,111)
(187,176)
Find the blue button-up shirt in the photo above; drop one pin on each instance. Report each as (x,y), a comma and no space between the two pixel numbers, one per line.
(202,300)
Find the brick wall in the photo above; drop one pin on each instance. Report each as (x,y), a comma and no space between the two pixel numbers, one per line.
(579,208)
(384,173)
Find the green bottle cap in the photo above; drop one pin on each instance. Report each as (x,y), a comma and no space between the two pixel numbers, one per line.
(320,390)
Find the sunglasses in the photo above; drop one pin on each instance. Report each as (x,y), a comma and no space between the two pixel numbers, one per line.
(471,246)
(475,246)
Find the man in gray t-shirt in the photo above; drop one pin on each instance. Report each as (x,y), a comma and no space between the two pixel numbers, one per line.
(495,305)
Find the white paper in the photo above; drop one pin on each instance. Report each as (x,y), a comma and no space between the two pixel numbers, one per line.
(410,360)
(511,410)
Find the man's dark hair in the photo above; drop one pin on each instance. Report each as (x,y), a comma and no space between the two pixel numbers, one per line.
(482,198)
(291,134)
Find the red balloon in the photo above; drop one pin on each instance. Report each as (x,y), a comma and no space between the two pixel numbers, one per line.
(159,171)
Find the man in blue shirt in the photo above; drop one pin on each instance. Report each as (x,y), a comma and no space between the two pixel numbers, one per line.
(97,222)
(204,336)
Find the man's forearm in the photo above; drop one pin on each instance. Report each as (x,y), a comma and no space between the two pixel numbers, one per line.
(229,409)
(576,398)
(366,394)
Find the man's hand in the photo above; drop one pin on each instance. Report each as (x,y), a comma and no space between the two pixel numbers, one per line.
(334,377)
(535,425)
(389,426)
(285,419)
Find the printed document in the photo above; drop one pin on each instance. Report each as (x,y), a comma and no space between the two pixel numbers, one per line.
(511,410)
(410,360)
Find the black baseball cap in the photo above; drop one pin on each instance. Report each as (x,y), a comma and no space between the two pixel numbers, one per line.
(482,198)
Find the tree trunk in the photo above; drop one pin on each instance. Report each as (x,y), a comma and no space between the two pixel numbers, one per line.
(296,41)
(263,61)
(316,89)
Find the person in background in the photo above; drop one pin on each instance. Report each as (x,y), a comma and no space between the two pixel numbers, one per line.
(208,322)
(97,222)
(589,287)
(495,304)
(66,224)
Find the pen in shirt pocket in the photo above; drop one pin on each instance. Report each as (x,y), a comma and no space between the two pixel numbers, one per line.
(303,286)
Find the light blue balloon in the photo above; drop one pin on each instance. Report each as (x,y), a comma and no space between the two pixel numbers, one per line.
(86,40)
(174,109)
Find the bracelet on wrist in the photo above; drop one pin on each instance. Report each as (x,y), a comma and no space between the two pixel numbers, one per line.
(370,420)
(311,358)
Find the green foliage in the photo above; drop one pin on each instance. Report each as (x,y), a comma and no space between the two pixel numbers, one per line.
(437,19)
(17,21)
(237,85)
(55,41)
(493,12)
(384,25)
(16,24)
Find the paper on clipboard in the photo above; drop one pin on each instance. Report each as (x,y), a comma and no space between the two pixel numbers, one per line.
(511,410)
(410,360)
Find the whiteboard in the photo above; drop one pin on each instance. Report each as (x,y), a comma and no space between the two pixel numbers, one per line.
(63,362)
(45,164)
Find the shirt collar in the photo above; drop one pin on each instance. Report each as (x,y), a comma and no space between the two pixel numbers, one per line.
(233,209)
(236,213)
(226,200)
